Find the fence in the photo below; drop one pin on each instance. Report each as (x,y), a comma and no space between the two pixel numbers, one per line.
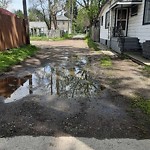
(12,32)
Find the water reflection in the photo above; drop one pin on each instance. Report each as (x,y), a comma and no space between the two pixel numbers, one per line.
(66,80)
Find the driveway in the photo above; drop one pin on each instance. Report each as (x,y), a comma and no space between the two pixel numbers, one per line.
(62,98)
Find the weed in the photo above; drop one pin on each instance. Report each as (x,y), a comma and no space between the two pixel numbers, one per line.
(92,44)
(143,104)
(105,61)
(16,55)
(147,69)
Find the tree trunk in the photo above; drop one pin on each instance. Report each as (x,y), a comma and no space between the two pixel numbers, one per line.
(55,21)
(49,15)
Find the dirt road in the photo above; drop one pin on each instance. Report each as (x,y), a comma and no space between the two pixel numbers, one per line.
(64,91)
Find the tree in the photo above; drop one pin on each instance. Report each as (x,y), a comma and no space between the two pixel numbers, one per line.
(19,13)
(49,10)
(82,20)
(56,7)
(4,3)
(35,15)
(71,9)
(93,9)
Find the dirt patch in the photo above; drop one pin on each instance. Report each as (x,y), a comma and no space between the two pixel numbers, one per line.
(64,90)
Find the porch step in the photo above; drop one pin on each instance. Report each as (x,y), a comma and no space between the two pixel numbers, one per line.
(125,44)
(146,49)
(131,39)
(131,44)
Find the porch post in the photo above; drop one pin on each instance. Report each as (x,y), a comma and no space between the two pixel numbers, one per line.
(122,40)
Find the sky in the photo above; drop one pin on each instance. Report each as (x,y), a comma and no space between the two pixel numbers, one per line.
(16,4)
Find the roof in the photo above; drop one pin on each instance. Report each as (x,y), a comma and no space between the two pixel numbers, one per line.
(37,24)
(106,2)
(62,18)
(6,12)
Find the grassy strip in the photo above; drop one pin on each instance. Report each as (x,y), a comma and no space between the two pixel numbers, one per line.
(45,38)
(143,104)
(91,44)
(14,56)
(105,61)
(39,38)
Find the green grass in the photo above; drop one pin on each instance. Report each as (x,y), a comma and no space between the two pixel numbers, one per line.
(143,104)
(91,44)
(39,38)
(45,38)
(147,69)
(105,61)
(14,56)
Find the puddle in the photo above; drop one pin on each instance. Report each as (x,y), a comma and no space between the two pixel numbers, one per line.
(69,80)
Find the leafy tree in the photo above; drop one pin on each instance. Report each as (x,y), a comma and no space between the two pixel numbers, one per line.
(35,15)
(71,9)
(19,13)
(4,3)
(82,20)
(93,9)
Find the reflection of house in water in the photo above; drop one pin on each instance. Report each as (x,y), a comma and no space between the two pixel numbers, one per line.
(10,85)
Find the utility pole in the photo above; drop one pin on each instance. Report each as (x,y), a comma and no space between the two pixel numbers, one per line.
(68,17)
(26,21)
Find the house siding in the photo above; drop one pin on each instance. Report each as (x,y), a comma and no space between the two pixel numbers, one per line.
(104,32)
(136,27)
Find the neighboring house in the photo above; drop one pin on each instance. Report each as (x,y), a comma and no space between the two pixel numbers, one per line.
(37,28)
(125,25)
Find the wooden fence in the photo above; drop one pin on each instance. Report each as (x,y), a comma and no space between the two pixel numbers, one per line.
(12,32)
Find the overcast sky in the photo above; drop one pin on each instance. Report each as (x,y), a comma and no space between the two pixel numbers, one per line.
(16,4)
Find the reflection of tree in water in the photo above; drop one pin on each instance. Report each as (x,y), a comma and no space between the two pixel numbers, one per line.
(66,82)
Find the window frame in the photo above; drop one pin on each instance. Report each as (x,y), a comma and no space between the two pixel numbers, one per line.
(145,23)
(107,23)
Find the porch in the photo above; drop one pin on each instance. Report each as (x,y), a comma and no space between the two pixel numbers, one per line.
(135,56)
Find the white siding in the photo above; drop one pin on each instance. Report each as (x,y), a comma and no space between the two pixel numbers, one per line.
(136,27)
(103,31)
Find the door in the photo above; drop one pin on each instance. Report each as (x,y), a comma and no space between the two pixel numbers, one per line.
(122,21)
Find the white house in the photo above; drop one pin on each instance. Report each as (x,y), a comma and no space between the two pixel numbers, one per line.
(39,27)
(125,25)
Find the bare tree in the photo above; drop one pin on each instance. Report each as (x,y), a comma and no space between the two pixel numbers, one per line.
(49,10)
(56,7)
(4,3)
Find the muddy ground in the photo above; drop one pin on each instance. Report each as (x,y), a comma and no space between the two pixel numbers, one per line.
(64,91)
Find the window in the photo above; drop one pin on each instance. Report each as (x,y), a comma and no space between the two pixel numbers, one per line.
(146,19)
(107,20)
(134,10)
(102,21)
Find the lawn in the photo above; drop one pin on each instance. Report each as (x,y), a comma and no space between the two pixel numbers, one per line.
(11,57)
(45,38)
